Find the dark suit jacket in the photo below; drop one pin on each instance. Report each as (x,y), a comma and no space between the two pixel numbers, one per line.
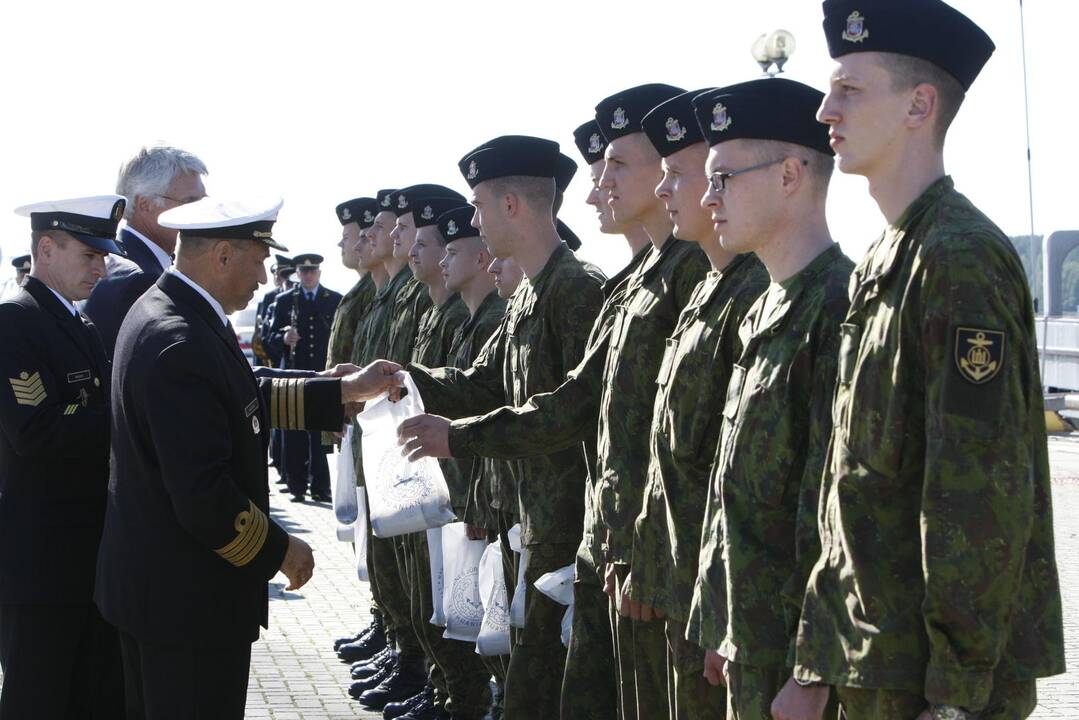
(314,320)
(54,449)
(188,547)
(115,293)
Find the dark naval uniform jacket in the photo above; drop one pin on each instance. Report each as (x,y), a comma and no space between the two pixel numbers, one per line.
(313,321)
(54,449)
(115,293)
(188,546)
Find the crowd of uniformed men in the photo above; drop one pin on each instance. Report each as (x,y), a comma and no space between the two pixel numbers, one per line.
(791,486)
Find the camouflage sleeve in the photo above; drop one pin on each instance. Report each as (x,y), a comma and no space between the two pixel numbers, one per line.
(977,493)
(547,423)
(452,392)
(821,380)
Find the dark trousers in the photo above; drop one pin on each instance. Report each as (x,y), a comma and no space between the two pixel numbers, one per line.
(184,682)
(305,463)
(59,661)
(275,451)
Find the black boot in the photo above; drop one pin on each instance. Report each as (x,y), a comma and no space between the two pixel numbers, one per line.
(407,679)
(376,621)
(397,709)
(361,670)
(359,687)
(366,648)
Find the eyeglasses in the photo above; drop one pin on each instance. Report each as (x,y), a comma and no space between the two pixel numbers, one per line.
(178,201)
(718,180)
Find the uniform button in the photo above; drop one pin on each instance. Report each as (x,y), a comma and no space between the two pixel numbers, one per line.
(97,382)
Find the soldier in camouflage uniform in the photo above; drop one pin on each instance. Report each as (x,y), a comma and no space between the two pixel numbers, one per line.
(769,169)
(936,592)
(541,339)
(685,430)
(590,683)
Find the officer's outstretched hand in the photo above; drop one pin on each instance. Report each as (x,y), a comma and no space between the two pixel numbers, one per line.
(371,381)
(795,702)
(340,370)
(425,436)
(299,563)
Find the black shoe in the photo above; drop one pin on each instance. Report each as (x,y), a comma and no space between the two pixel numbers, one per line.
(375,624)
(284,490)
(361,670)
(425,710)
(397,709)
(364,649)
(358,687)
(404,682)
(320,498)
(296,498)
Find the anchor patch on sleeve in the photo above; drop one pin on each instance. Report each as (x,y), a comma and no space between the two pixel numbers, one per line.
(979,354)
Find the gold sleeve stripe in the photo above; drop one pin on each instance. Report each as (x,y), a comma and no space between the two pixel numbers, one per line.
(70,409)
(273,403)
(292,405)
(300,388)
(252,527)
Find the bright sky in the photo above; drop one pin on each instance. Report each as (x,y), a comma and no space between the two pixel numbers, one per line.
(323,101)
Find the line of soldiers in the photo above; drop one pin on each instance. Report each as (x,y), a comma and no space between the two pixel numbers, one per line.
(788,484)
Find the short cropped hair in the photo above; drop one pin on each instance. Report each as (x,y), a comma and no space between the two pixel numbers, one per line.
(820,166)
(536,192)
(909,72)
(151,172)
(58,237)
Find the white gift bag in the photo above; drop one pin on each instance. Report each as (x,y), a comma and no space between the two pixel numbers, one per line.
(403,496)
(558,586)
(461,578)
(494,637)
(344,491)
(359,534)
(434,549)
(517,606)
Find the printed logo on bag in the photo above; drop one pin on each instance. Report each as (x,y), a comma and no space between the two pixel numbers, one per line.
(464,598)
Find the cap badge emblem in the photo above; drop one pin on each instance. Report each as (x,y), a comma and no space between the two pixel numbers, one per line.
(595,143)
(427,213)
(255,424)
(346,214)
(856,31)
(451,228)
(402,202)
(473,171)
(367,216)
(618,119)
(259,234)
(118,210)
(386,201)
(675,131)
(720,119)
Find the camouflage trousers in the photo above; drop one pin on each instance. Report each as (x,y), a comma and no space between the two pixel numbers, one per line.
(641,650)
(1008,701)
(751,690)
(458,673)
(590,684)
(534,675)
(691,696)
(388,591)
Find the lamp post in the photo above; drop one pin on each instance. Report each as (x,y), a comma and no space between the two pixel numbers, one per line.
(772,50)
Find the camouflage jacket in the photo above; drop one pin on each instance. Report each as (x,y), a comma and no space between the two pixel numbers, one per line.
(411,303)
(541,339)
(776,422)
(436,331)
(354,305)
(938,566)
(690,386)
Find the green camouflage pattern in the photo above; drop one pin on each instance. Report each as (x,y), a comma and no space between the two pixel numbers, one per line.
(408,307)
(690,385)
(372,339)
(1008,701)
(776,422)
(692,697)
(590,685)
(938,566)
(640,650)
(751,690)
(434,337)
(542,338)
(354,305)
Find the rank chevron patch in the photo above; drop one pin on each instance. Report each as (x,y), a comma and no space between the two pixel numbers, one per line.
(28,389)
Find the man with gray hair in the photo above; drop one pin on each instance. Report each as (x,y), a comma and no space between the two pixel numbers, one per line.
(157,178)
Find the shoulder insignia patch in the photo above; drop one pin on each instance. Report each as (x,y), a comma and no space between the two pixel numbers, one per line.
(979,354)
(28,389)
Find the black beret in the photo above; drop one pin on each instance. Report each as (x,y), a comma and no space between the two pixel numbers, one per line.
(764,109)
(590,141)
(358,210)
(511,155)
(926,29)
(427,210)
(568,236)
(385,199)
(405,200)
(456,224)
(621,113)
(307,260)
(21,263)
(672,125)
(567,168)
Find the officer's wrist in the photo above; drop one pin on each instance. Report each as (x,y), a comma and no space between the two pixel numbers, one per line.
(949,712)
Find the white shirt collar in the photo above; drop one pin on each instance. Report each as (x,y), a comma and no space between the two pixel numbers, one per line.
(162,257)
(64,301)
(311,293)
(206,296)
